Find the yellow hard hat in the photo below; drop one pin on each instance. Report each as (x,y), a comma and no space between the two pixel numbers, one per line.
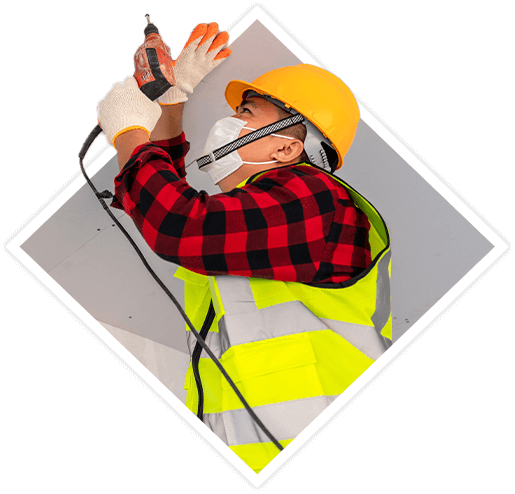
(315,93)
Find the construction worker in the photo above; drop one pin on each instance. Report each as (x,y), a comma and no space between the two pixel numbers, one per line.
(287,270)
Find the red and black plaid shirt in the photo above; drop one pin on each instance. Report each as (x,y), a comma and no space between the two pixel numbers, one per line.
(292,223)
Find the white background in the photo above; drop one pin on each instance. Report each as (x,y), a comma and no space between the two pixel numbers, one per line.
(97,413)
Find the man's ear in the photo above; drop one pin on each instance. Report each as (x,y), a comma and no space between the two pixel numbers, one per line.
(289,151)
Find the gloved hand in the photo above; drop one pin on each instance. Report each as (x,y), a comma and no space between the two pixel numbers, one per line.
(204,51)
(126,108)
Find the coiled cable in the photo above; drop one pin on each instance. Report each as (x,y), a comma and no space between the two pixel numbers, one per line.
(106,195)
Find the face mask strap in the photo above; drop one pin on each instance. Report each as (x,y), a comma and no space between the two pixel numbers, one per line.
(275,135)
(247,139)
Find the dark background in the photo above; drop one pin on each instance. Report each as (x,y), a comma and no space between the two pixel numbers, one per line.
(79,416)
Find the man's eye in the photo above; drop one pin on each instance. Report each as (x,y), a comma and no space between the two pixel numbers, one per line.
(244,109)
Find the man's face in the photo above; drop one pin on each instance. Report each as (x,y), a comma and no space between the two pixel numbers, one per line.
(258,113)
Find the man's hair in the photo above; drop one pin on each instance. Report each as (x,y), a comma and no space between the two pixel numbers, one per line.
(297,131)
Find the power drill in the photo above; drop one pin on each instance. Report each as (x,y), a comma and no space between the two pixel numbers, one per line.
(153,64)
(153,73)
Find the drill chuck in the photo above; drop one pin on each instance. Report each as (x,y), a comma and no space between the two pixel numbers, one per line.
(151,28)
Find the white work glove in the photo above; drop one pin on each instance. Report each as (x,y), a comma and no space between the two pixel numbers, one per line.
(126,108)
(205,50)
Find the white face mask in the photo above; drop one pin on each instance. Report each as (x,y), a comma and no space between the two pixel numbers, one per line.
(223,132)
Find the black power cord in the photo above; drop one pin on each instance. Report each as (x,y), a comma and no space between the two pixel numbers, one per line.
(106,195)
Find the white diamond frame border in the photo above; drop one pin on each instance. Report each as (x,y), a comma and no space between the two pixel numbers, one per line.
(259,13)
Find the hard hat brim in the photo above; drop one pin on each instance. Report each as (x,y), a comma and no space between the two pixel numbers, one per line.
(235,90)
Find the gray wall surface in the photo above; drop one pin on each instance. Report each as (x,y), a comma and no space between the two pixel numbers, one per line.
(433,246)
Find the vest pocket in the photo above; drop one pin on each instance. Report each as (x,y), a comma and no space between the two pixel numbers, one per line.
(271,371)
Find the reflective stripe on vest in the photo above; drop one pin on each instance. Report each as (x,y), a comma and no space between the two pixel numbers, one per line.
(290,348)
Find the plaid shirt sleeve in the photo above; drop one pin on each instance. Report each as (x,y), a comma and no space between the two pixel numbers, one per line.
(292,223)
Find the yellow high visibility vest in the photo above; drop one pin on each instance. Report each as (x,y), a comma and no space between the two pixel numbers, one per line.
(290,348)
